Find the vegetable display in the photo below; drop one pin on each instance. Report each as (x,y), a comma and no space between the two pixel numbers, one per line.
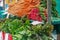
(23,30)
(24,12)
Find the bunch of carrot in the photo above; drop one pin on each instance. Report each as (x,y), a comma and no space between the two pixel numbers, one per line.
(23,7)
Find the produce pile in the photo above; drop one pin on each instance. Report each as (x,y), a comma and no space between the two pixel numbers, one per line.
(25,12)
(23,7)
(23,30)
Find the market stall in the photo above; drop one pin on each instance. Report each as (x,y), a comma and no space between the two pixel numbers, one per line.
(27,19)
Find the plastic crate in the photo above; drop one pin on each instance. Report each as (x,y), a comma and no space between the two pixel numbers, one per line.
(56,23)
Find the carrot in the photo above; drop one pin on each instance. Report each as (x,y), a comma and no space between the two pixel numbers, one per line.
(23,7)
